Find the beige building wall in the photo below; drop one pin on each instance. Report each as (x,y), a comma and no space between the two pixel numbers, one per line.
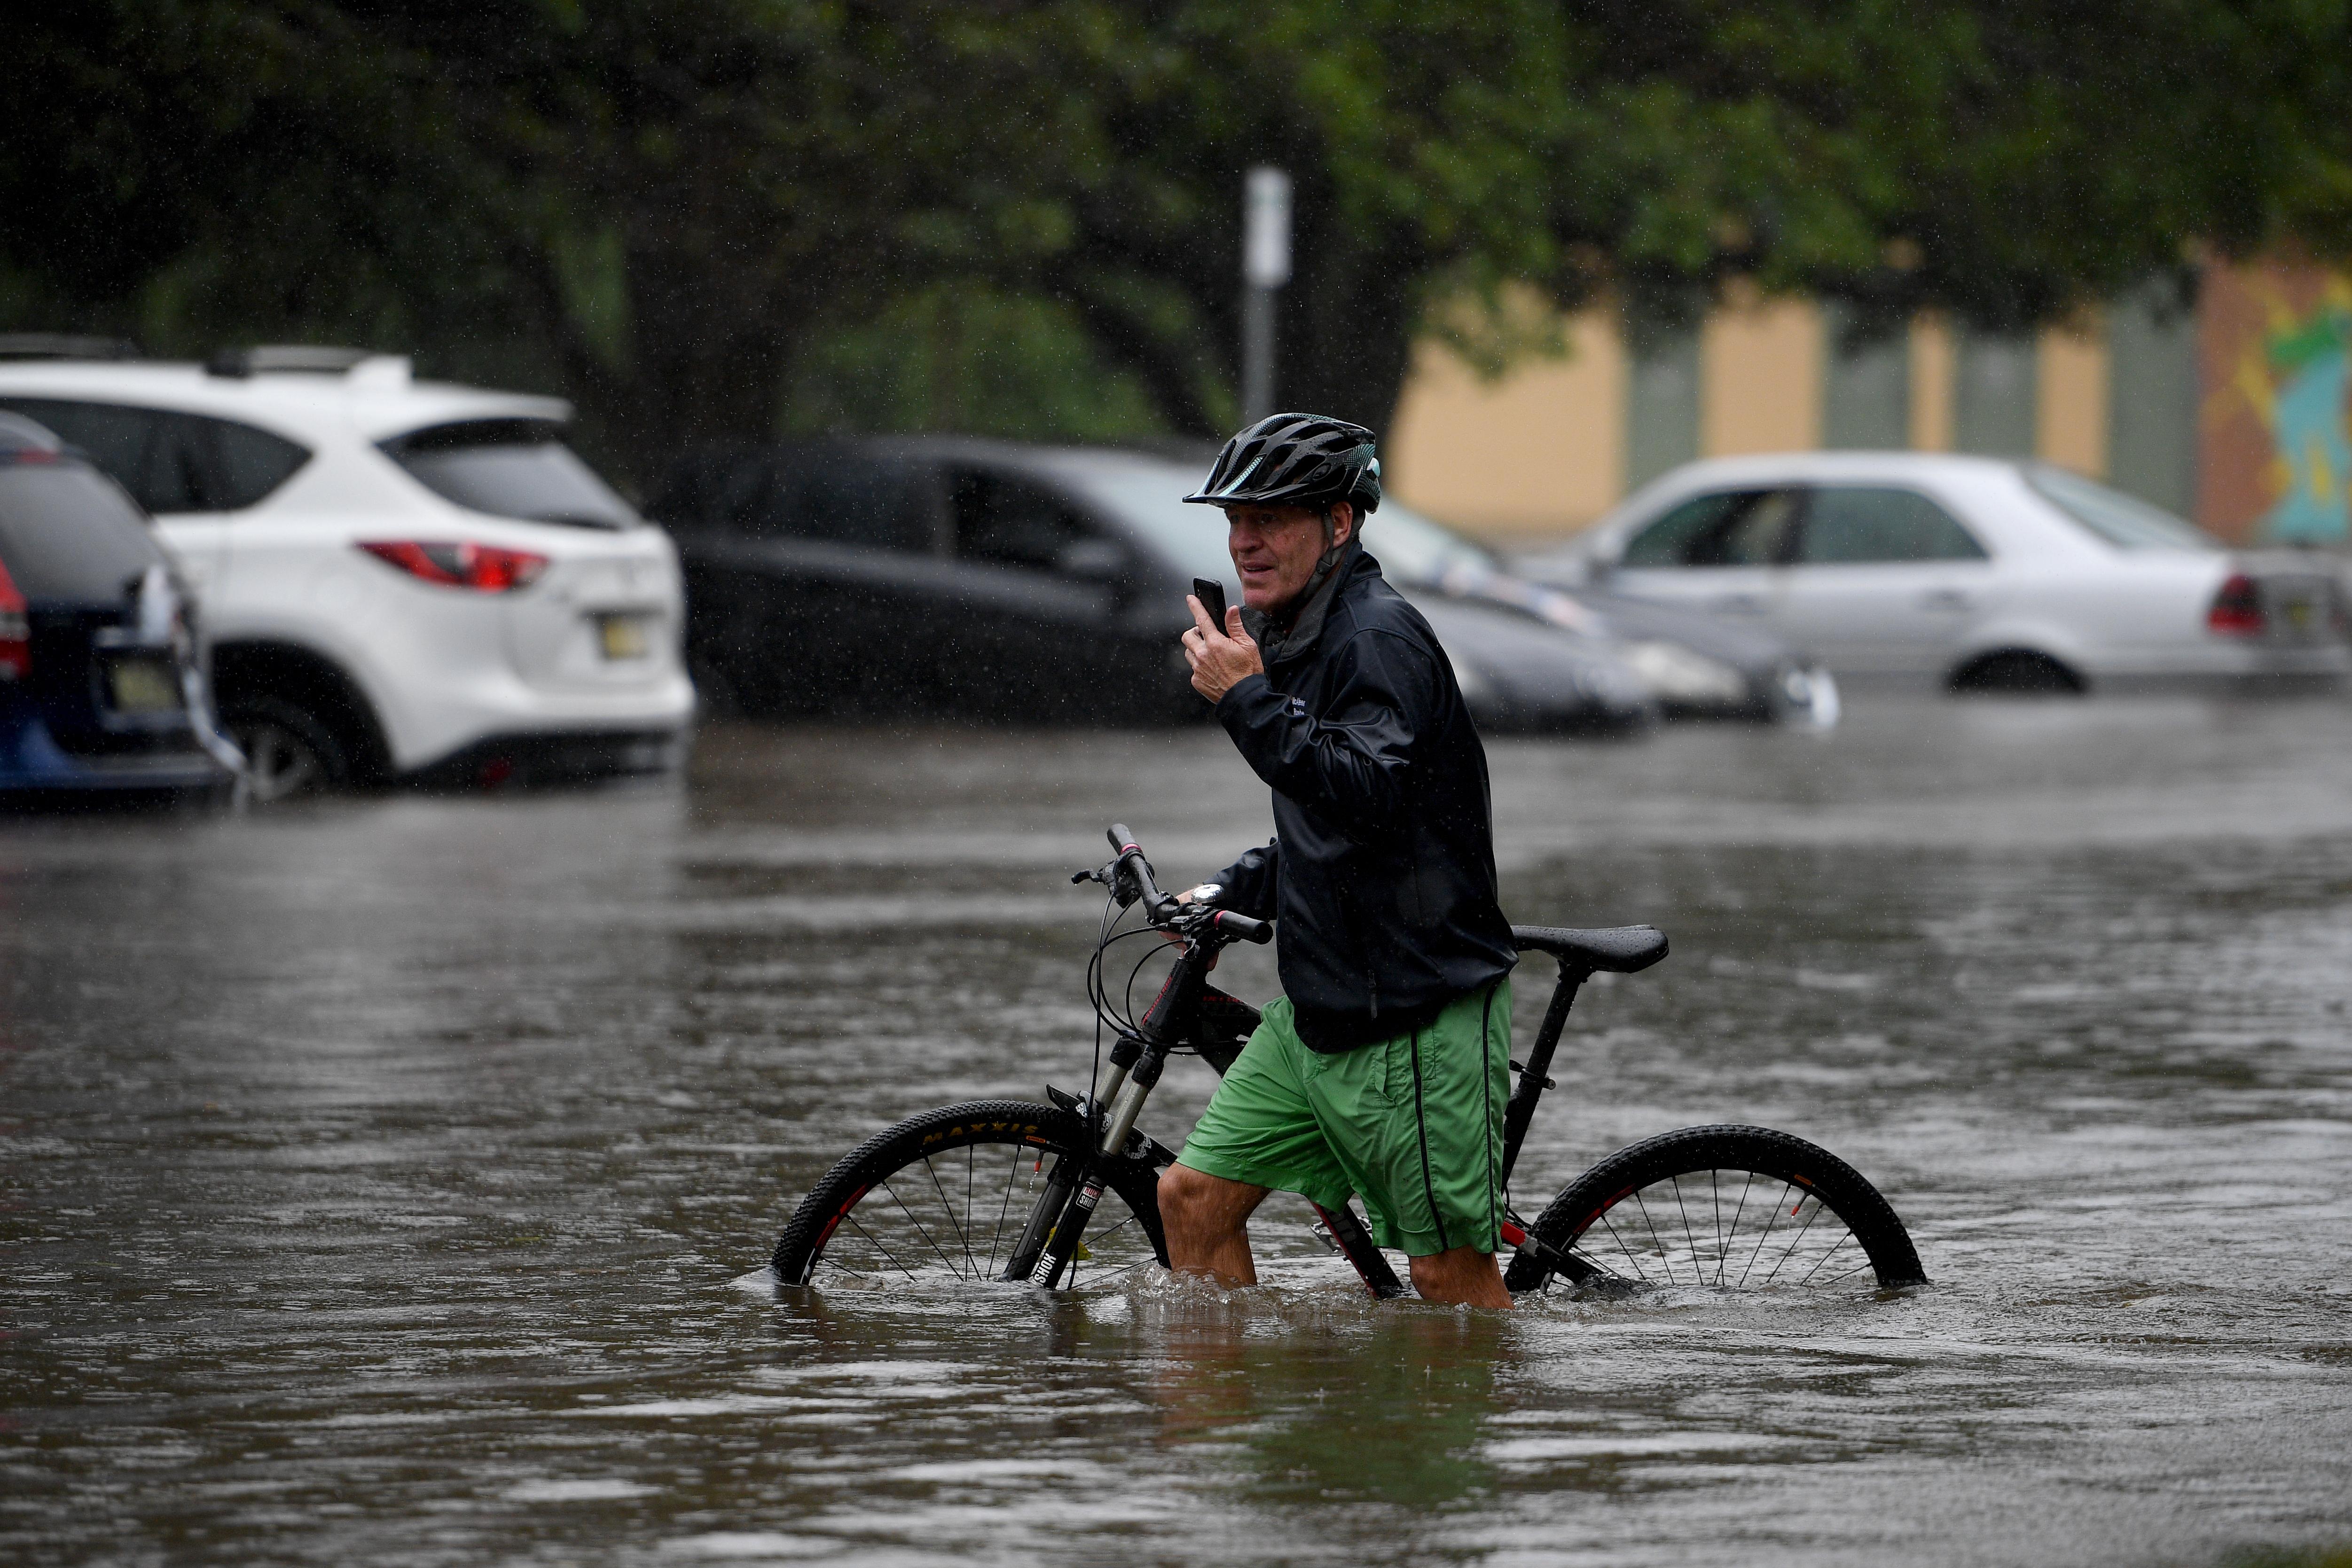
(1541,451)
(1760,378)
(1935,359)
(2071,408)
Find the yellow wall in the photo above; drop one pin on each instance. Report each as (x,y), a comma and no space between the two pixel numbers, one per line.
(1934,360)
(1540,451)
(1760,378)
(2071,402)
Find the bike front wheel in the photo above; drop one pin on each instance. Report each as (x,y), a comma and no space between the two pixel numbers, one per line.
(946,1198)
(1720,1208)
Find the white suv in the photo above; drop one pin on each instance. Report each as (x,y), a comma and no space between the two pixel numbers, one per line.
(399,578)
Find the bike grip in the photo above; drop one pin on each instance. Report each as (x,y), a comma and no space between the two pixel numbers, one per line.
(1243,927)
(1121,840)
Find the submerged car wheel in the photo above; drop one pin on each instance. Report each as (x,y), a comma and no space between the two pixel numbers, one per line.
(2017,670)
(287,753)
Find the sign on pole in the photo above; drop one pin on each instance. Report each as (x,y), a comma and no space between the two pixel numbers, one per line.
(1266,266)
(1266,249)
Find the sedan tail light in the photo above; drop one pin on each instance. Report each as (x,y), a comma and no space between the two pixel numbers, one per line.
(15,631)
(484,568)
(2237,609)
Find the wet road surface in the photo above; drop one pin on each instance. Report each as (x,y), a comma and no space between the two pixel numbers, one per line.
(389,1181)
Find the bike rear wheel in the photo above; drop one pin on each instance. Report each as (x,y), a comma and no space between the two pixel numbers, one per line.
(1724,1209)
(944,1199)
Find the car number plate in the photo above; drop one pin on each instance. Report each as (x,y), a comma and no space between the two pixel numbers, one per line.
(144,685)
(622,636)
(2301,613)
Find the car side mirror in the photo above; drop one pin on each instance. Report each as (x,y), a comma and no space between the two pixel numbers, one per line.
(1595,566)
(1093,561)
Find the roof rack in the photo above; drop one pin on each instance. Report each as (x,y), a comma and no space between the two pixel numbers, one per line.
(65,345)
(301,358)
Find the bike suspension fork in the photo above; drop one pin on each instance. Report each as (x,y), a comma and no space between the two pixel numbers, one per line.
(1057,1223)
(1063,1243)
(1034,1253)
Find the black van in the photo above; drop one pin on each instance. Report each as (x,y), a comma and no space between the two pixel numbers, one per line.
(982,579)
(934,575)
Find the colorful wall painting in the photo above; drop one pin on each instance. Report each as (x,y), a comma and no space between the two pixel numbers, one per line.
(2276,444)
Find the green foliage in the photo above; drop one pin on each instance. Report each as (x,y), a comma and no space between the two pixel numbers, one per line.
(1026,217)
(966,360)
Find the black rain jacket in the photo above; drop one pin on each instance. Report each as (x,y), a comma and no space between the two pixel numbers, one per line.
(1380,877)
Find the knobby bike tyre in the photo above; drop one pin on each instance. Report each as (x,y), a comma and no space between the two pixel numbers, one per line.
(1721,1208)
(941,1200)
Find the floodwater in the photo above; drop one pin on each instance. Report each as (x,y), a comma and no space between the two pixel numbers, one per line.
(389,1181)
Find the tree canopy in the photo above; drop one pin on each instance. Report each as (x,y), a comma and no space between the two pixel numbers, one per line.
(705,220)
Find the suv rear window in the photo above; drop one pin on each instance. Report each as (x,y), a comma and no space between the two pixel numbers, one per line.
(67,534)
(510,467)
(170,461)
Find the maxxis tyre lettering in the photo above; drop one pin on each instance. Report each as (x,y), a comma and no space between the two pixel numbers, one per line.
(1760,1150)
(1046,1128)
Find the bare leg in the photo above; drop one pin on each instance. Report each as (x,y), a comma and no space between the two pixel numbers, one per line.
(1463,1277)
(1207,1221)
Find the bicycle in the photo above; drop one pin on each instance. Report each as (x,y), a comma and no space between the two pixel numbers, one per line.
(1666,1211)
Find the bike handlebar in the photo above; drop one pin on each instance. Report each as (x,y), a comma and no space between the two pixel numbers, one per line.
(1157,905)
(1165,909)
(1243,927)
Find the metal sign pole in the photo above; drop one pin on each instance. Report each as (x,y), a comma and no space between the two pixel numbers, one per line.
(1266,268)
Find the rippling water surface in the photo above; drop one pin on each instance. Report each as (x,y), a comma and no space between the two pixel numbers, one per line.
(389,1181)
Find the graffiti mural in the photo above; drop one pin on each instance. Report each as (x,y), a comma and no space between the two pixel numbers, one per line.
(2277,442)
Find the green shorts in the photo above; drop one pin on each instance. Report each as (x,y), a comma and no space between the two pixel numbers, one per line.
(1414,1125)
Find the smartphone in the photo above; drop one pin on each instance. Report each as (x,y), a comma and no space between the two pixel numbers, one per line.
(1213,599)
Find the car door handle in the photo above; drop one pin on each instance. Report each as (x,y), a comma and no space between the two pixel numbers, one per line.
(1741,605)
(1950,599)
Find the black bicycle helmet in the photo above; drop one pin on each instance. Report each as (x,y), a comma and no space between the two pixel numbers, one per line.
(1295,460)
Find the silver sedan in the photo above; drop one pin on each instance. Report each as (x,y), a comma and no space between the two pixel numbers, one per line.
(1975,571)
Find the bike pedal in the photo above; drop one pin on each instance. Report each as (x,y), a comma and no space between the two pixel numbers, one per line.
(1323,1234)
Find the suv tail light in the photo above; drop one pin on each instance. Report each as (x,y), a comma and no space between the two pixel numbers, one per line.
(15,631)
(484,568)
(2237,609)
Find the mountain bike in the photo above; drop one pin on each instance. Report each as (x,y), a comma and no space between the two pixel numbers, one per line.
(1062,1194)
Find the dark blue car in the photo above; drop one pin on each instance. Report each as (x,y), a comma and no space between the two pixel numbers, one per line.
(101,690)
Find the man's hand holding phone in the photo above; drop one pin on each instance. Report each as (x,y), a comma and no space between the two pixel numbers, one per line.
(1219,652)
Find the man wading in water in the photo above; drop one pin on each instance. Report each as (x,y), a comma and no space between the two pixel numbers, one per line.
(1380,1071)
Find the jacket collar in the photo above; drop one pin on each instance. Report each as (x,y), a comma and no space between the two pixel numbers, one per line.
(1278,644)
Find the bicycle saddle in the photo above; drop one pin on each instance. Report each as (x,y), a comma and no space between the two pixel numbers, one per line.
(1619,950)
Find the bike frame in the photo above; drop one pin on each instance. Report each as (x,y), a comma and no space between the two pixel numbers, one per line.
(1189,1014)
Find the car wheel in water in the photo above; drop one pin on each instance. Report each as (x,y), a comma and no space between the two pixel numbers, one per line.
(287,753)
(2017,672)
